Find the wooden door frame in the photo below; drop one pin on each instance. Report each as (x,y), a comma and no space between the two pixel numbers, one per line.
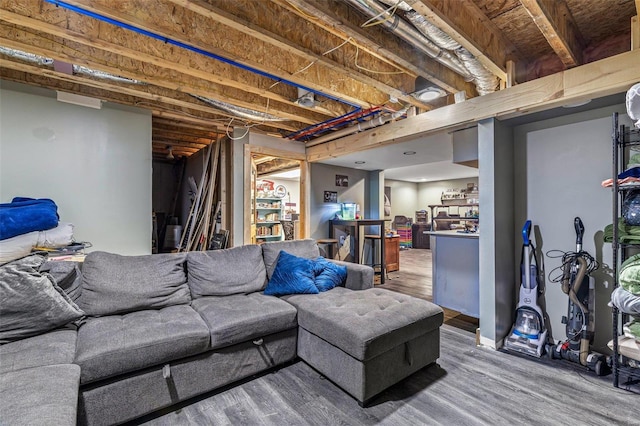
(249,150)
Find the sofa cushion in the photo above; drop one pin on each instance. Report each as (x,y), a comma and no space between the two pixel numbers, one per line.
(293,275)
(368,322)
(301,248)
(40,396)
(115,284)
(54,347)
(224,272)
(117,344)
(331,275)
(238,318)
(31,302)
(67,275)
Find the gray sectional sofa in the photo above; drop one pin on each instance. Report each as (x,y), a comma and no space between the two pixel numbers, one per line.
(159,329)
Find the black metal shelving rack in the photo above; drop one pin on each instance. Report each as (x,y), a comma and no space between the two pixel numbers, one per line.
(623,138)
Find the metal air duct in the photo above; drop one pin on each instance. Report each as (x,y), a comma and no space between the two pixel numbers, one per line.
(245,113)
(408,33)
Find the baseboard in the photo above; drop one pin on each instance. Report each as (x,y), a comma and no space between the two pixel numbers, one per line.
(489,343)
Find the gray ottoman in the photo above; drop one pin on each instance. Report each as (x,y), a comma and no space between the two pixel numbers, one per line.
(367,340)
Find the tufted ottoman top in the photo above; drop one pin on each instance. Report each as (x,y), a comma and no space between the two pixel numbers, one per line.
(365,323)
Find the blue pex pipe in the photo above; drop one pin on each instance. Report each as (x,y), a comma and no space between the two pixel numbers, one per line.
(192,48)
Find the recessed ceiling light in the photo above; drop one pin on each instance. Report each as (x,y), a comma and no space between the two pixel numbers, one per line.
(429,94)
(409,153)
(360,162)
(423,179)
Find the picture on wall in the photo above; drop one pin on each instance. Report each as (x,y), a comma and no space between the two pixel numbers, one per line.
(342,180)
(387,201)
(330,197)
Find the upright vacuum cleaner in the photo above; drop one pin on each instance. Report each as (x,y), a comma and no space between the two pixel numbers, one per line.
(528,334)
(580,323)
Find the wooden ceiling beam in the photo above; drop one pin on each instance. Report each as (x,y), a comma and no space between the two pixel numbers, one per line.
(556,23)
(178,142)
(338,19)
(160,66)
(593,80)
(468,25)
(283,65)
(202,136)
(227,14)
(181,126)
(198,140)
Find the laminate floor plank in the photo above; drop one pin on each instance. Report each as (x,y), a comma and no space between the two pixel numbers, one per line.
(469,385)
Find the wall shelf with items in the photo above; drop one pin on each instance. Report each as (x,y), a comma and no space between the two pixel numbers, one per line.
(626,347)
(269,212)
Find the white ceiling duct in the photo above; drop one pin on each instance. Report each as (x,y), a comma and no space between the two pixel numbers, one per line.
(245,113)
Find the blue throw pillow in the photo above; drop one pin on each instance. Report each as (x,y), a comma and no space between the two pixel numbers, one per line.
(331,275)
(292,275)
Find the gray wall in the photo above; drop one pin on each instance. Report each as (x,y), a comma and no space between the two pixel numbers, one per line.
(560,164)
(95,164)
(495,146)
(323,179)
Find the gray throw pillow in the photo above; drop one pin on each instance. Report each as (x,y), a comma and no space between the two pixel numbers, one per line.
(224,272)
(115,284)
(31,302)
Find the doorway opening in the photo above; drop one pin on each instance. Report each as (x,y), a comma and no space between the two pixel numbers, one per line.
(275,195)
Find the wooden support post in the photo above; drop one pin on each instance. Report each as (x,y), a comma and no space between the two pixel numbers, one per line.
(635,33)
(511,74)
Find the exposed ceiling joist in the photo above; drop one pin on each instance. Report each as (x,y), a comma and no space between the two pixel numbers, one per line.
(336,48)
(217,14)
(334,17)
(554,19)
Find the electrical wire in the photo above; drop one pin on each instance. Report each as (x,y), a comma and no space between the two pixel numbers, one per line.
(391,10)
(372,71)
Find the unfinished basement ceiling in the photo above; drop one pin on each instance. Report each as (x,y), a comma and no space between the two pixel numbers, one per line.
(297,69)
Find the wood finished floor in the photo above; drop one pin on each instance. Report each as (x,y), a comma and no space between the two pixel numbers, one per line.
(414,278)
(469,385)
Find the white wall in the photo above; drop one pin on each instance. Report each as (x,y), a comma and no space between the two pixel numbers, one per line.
(560,164)
(430,193)
(95,164)
(404,199)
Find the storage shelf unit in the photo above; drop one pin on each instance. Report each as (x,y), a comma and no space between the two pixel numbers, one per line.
(269,212)
(449,208)
(623,362)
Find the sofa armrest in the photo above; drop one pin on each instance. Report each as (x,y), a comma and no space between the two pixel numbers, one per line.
(359,277)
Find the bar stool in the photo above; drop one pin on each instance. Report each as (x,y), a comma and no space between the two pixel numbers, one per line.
(373,244)
(331,243)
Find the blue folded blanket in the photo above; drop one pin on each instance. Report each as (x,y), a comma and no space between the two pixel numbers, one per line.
(24,215)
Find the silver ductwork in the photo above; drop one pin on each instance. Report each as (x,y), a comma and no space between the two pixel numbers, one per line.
(431,40)
(241,112)
(402,5)
(484,79)
(408,33)
(82,70)
(27,57)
